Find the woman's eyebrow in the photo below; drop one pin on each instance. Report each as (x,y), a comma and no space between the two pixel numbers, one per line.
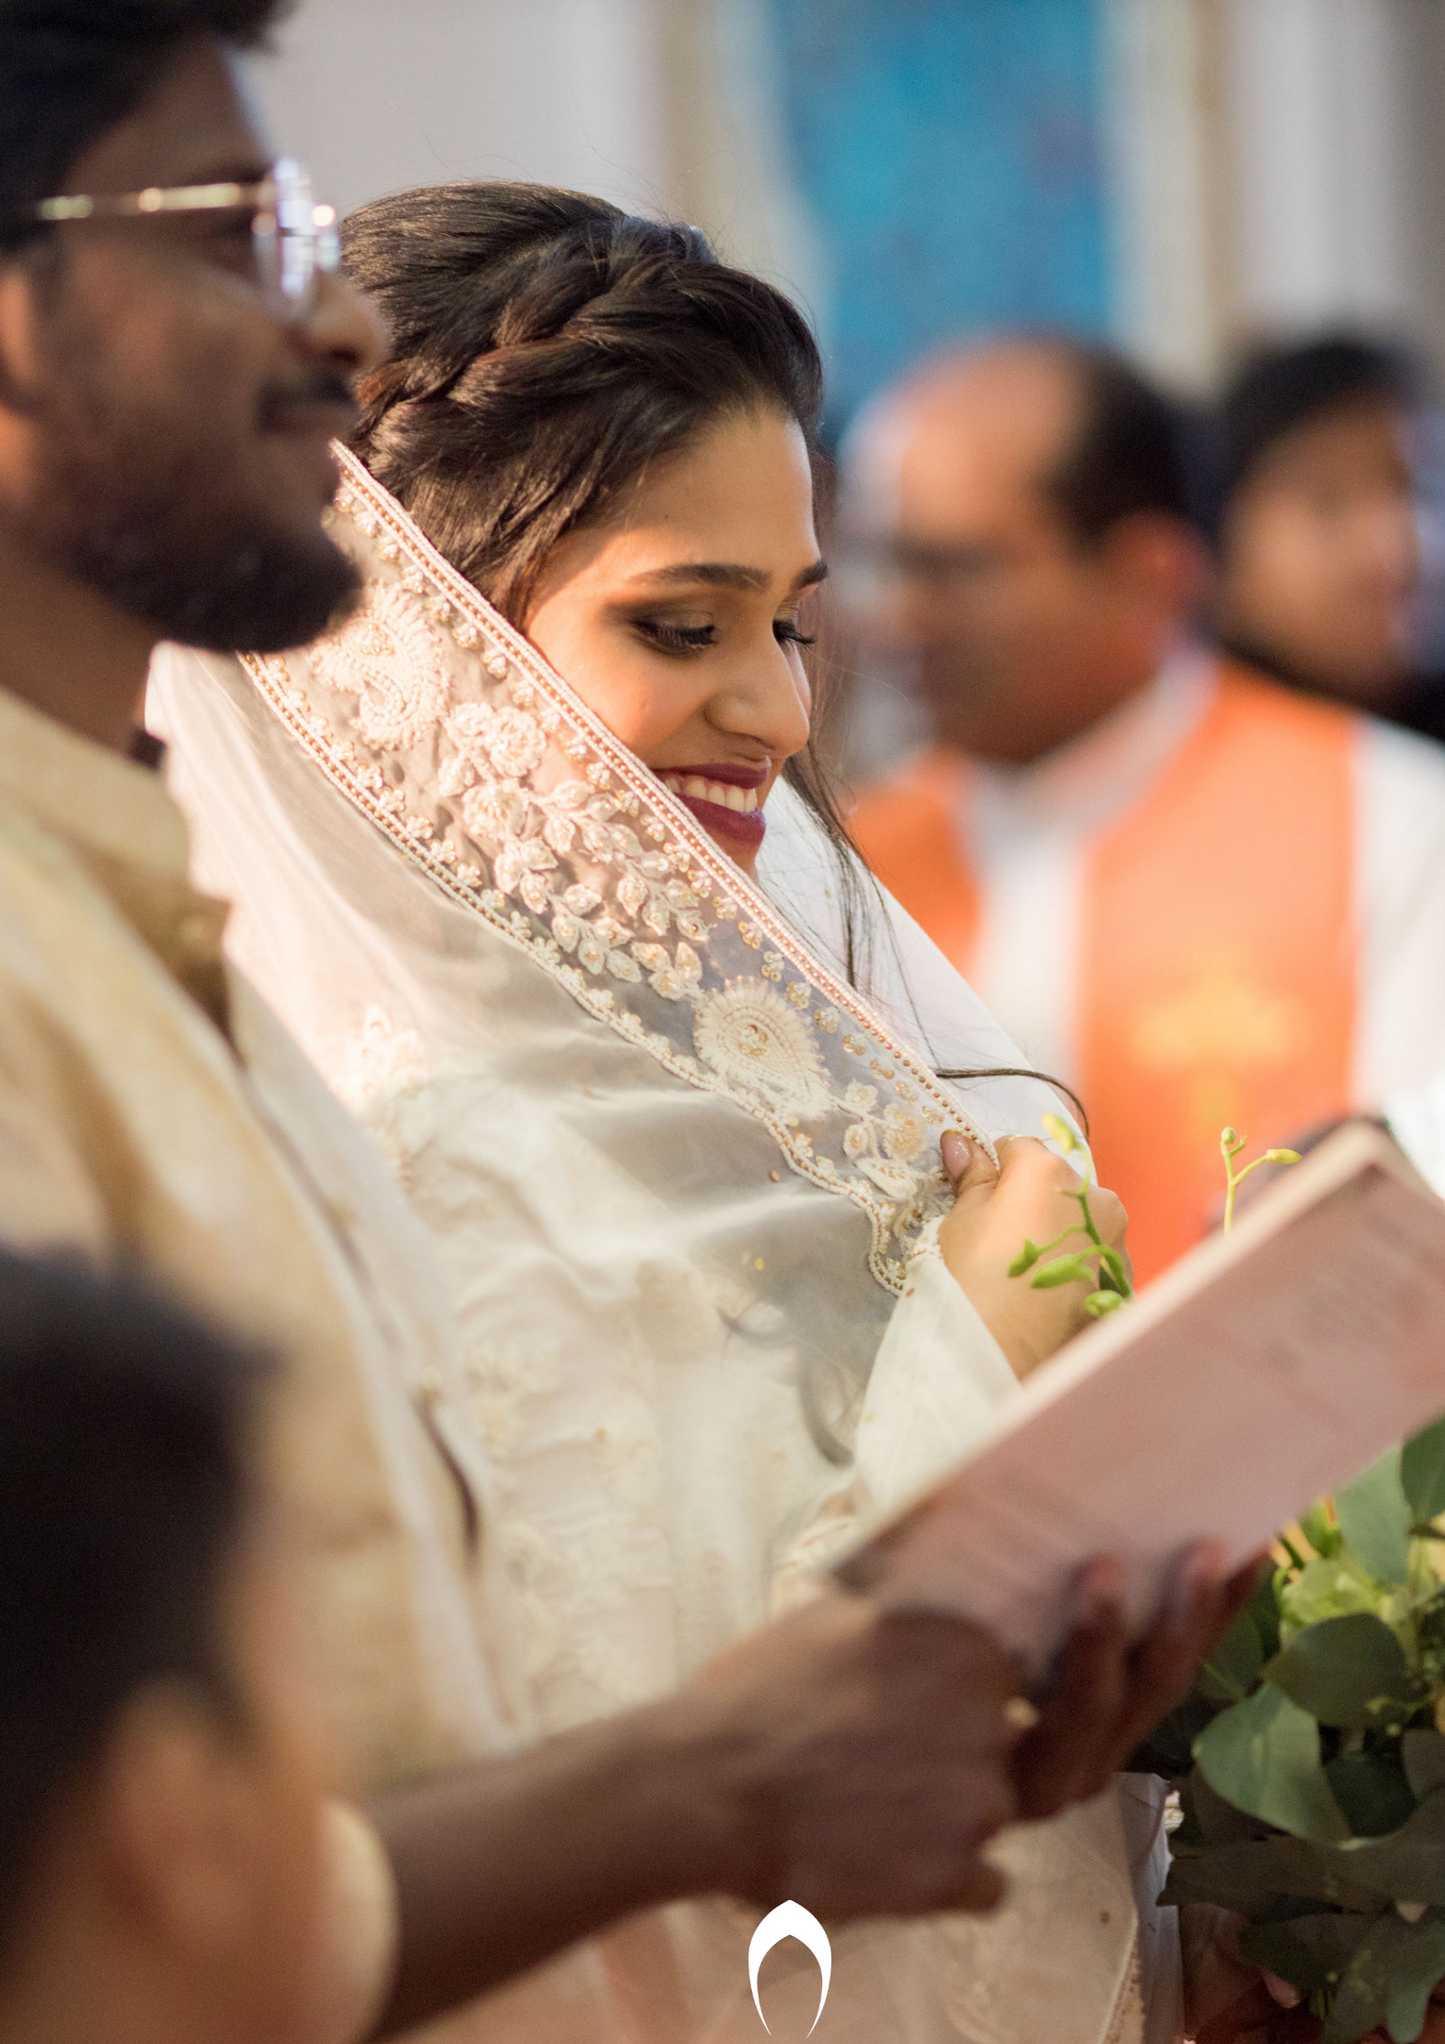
(728,575)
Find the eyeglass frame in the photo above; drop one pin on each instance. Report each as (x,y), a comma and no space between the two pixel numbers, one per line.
(291,255)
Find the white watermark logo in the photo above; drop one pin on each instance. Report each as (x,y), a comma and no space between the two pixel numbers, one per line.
(790,1920)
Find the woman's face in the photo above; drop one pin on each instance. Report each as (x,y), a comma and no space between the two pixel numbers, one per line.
(680,621)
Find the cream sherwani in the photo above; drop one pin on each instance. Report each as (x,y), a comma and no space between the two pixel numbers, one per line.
(153,1114)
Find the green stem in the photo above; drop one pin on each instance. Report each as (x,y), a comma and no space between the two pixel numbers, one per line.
(1226,1681)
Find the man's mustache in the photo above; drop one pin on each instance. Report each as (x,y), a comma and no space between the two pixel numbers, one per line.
(319,390)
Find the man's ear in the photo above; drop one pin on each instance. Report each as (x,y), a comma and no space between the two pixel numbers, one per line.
(1162,561)
(177,1826)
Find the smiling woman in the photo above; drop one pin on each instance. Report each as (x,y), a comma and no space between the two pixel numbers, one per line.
(693,662)
(520,854)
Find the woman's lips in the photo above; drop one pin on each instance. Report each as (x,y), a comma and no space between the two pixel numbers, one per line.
(724,800)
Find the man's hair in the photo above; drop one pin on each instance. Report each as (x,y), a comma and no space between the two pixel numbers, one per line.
(70,69)
(1279,389)
(125,1441)
(1133,450)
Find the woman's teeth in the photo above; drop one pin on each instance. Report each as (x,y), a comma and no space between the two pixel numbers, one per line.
(743,800)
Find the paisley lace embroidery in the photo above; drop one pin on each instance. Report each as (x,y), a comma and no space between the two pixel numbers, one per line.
(753,1039)
(393,663)
(446,728)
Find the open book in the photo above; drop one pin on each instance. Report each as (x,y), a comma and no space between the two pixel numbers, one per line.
(1264,1370)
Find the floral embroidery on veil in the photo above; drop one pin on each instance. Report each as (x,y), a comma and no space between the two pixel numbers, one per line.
(447,729)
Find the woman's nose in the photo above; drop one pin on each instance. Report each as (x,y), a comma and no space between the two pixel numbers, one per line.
(771,703)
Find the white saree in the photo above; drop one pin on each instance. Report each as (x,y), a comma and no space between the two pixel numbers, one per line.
(685,1180)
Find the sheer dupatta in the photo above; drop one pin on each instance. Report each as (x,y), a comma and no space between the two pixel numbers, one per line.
(683,1176)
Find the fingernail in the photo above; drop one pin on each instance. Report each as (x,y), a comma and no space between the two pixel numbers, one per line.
(956,1153)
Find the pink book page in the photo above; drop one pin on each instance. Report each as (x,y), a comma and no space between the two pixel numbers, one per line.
(1263,1371)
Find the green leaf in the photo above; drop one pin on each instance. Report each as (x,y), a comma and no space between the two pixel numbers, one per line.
(1389,1980)
(1062,1270)
(1328,1589)
(1257,1877)
(1422,1472)
(1310,1951)
(1234,1667)
(1214,1821)
(1408,1865)
(1375,1520)
(1263,1755)
(1099,1305)
(1027,1257)
(1263,1608)
(1118,1272)
(1372,1791)
(1054,1125)
(1169,1748)
(1337,1668)
(1422,1754)
(1321,1531)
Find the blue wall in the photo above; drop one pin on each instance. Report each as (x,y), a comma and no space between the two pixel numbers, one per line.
(951,152)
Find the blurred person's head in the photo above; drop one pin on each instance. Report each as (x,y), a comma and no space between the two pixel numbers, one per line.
(1320,575)
(610,432)
(160,1820)
(165,407)
(1018,520)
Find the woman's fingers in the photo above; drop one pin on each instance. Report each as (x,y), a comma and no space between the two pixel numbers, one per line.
(966,1163)
(1032,1196)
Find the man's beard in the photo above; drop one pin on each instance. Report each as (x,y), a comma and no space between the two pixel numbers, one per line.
(141,508)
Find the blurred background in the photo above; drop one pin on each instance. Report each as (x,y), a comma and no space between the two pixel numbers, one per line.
(1135,659)
(1175,175)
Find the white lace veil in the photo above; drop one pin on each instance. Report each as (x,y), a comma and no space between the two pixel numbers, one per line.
(454,881)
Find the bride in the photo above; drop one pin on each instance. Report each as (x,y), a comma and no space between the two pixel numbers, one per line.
(533,855)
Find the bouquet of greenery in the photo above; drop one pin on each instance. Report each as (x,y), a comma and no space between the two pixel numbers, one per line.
(1310,1759)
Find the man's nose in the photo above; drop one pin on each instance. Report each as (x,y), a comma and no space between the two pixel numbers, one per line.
(900,612)
(342,327)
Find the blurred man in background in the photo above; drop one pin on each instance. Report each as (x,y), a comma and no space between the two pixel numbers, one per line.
(1332,568)
(1192,894)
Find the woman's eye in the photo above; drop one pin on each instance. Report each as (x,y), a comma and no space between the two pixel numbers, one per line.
(787,632)
(670,638)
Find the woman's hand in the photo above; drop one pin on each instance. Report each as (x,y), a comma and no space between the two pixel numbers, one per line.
(995,1209)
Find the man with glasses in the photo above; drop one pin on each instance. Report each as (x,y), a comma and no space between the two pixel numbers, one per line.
(1199,899)
(174,360)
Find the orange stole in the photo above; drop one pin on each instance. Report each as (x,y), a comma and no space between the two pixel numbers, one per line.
(1217,953)
(1218,957)
(906,830)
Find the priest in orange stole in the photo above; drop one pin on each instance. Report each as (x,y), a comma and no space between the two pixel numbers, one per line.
(1200,899)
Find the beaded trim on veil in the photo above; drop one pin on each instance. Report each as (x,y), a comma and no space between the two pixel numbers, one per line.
(446,728)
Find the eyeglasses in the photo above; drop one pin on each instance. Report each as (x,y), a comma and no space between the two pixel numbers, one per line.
(293,239)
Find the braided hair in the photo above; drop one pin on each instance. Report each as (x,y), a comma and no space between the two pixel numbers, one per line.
(545,348)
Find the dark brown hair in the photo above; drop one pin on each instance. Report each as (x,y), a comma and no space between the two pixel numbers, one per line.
(545,348)
(126,1438)
(71,69)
